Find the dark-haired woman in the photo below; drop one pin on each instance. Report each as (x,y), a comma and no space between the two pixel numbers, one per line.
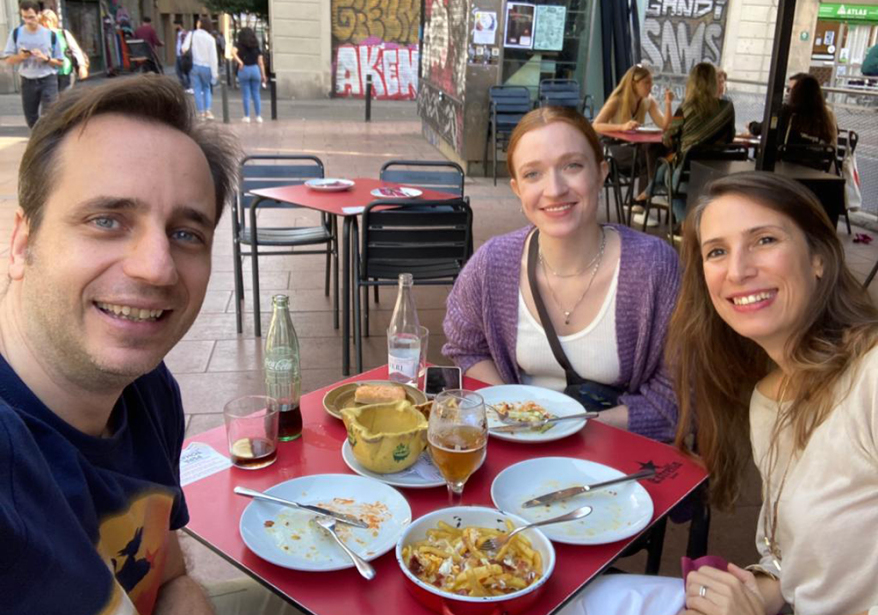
(251,72)
(774,348)
(804,119)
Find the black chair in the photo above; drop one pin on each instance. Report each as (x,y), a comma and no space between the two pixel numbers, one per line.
(429,239)
(268,171)
(871,275)
(439,175)
(615,180)
(560,93)
(508,104)
(847,145)
(818,156)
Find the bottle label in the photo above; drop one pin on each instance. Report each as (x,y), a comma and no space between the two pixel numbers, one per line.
(280,364)
(403,365)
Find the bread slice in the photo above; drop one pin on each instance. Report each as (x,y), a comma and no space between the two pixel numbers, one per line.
(379,393)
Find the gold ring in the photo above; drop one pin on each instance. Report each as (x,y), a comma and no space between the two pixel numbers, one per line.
(703,591)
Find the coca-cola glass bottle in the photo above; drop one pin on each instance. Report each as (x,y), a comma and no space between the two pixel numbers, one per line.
(283,380)
(403,339)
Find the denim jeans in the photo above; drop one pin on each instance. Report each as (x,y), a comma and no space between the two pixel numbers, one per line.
(678,205)
(37,95)
(250,79)
(201,79)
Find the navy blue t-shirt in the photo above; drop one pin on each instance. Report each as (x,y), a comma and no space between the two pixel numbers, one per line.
(84,521)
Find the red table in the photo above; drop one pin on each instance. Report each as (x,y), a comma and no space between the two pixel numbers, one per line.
(215,511)
(634,136)
(334,203)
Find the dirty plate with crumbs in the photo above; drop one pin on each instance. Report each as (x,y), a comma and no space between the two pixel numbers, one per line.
(618,512)
(286,537)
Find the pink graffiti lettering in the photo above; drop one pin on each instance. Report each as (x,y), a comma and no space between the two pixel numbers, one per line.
(394,71)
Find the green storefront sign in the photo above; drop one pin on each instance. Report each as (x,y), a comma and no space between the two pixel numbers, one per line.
(848,12)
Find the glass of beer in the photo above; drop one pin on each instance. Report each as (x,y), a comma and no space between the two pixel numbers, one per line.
(458,437)
(252,428)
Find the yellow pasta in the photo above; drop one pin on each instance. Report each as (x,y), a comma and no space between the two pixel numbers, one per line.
(452,560)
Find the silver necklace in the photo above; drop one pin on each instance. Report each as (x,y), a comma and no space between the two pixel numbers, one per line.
(548,267)
(597,264)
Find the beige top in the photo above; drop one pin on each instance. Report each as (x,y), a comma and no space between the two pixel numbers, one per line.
(827,526)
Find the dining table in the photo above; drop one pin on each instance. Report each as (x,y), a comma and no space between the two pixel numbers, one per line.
(347,204)
(215,511)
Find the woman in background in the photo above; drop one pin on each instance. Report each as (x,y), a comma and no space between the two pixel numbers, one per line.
(804,119)
(69,48)
(251,71)
(205,65)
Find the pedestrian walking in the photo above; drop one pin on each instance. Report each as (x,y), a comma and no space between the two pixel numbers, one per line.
(251,71)
(75,62)
(205,65)
(36,51)
(183,63)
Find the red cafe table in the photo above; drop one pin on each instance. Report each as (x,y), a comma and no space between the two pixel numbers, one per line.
(347,204)
(215,511)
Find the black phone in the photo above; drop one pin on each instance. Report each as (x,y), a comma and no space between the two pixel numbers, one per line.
(438,379)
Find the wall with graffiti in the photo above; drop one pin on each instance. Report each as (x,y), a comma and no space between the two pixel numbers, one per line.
(677,34)
(377,38)
(441,98)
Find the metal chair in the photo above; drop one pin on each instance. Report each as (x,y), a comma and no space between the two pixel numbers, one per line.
(429,239)
(871,275)
(847,145)
(268,171)
(508,104)
(560,93)
(439,175)
(615,182)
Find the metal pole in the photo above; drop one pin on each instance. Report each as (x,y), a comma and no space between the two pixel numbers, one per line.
(224,89)
(272,82)
(786,12)
(368,98)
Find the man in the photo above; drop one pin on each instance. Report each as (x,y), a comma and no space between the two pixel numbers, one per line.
(182,66)
(38,53)
(147,33)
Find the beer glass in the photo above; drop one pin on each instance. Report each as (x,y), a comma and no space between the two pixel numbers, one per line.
(458,437)
(252,428)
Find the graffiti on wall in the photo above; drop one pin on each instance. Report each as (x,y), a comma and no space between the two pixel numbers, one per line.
(442,113)
(393,68)
(377,38)
(445,39)
(677,34)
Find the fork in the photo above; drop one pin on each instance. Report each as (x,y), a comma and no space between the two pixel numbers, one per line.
(512,425)
(363,567)
(492,545)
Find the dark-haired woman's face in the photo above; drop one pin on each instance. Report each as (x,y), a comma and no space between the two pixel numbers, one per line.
(758,269)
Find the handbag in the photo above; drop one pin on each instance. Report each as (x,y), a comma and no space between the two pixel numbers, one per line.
(853,194)
(594,396)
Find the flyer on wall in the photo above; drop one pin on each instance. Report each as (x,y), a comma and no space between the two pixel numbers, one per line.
(519,25)
(485,31)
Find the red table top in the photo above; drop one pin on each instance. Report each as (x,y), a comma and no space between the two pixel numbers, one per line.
(215,511)
(633,136)
(335,202)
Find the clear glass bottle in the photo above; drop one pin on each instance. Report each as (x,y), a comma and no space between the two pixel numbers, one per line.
(283,379)
(403,341)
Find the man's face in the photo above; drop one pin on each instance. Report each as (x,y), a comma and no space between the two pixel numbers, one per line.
(119,266)
(30,18)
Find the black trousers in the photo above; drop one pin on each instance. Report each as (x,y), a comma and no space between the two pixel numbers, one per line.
(37,95)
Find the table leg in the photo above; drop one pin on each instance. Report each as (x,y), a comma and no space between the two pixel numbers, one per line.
(335,272)
(350,222)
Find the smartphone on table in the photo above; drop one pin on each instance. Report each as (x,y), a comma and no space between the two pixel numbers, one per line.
(438,378)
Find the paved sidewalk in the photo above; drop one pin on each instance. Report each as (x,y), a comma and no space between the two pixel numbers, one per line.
(213,364)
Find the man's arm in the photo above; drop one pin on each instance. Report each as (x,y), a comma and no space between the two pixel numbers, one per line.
(179,592)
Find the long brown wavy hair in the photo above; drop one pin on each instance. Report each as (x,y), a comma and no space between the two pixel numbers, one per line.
(701,90)
(715,370)
(629,105)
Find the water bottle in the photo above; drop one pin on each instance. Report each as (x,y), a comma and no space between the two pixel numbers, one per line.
(283,380)
(403,342)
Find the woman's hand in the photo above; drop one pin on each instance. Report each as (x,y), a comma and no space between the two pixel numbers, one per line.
(669,96)
(630,125)
(240,65)
(724,593)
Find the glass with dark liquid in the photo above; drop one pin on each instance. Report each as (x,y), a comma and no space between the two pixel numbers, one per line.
(252,428)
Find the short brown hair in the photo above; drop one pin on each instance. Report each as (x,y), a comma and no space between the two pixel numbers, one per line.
(544,116)
(151,98)
(28,5)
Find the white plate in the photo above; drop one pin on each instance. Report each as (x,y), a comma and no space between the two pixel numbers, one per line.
(420,476)
(619,511)
(556,403)
(293,542)
(329,184)
(648,129)
(396,193)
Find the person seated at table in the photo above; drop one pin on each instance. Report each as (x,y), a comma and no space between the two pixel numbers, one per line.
(774,340)
(108,265)
(702,120)
(804,119)
(626,109)
(722,78)
(608,290)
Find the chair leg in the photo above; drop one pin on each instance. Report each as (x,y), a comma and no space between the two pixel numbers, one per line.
(871,275)
(328,271)
(494,154)
(335,300)
(847,220)
(699,531)
(257,320)
(239,287)
(358,338)
(655,546)
(366,311)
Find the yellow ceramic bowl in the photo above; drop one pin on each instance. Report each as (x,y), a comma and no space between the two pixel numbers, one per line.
(386,438)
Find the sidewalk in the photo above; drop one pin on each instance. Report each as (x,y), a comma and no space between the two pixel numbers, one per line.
(213,364)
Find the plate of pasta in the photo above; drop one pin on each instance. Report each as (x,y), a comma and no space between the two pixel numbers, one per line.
(525,403)
(440,555)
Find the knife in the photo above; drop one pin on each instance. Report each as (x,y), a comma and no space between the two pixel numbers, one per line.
(537,424)
(563,494)
(258,495)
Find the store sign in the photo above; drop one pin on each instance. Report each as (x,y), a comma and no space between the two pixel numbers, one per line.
(848,12)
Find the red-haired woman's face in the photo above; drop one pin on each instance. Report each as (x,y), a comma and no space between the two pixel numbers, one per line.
(557,178)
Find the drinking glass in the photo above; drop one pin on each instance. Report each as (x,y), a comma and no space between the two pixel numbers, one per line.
(458,437)
(252,426)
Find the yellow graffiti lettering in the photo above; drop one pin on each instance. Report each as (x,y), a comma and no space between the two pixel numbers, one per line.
(390,21)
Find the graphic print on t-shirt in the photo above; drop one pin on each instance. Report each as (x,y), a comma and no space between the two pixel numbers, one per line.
(133,544)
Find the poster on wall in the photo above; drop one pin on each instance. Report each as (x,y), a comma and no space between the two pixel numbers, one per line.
(519,25)
(549,27)
(485,31)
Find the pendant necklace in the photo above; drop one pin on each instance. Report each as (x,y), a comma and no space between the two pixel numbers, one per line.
(597,264)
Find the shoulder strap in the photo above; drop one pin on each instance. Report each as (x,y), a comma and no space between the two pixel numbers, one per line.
(15,35)
(532,255)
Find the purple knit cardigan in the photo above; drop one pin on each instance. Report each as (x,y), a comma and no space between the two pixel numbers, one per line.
(481,321)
